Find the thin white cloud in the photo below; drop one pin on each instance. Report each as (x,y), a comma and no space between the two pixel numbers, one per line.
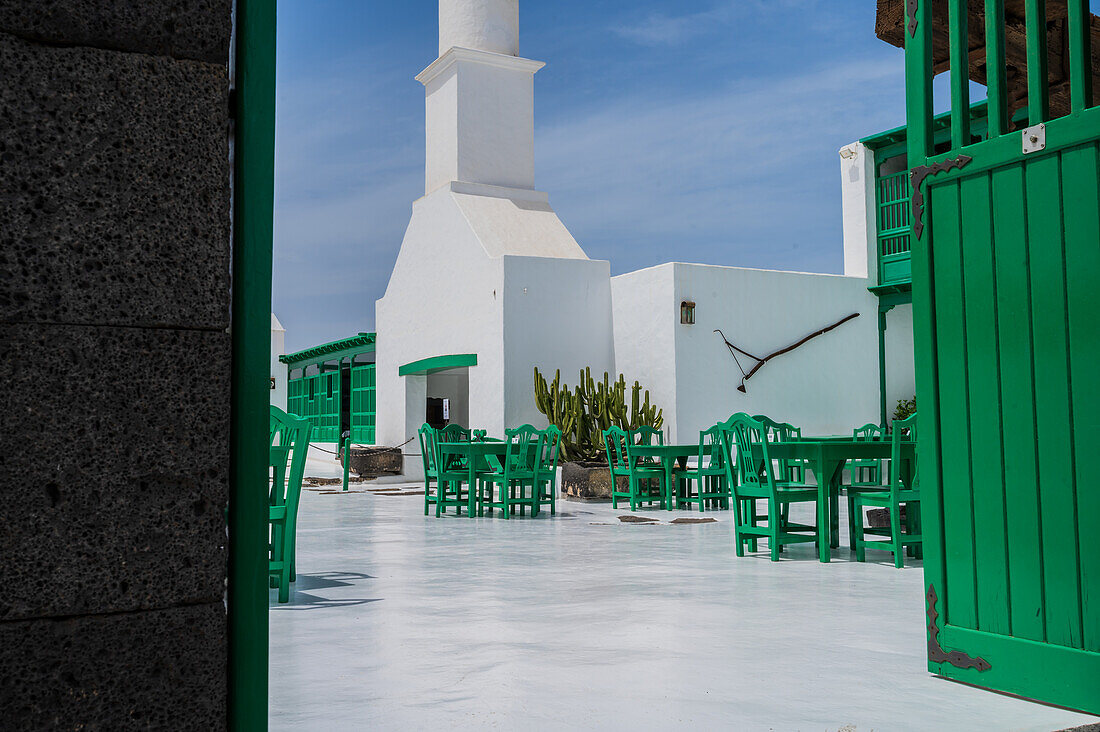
(658,28)
(748,173)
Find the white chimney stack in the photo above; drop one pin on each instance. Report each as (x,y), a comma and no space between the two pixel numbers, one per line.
(483,25)
(480,99)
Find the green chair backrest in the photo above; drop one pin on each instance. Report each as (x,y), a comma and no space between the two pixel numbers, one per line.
(712,456)
(453,432)
(903,430)
(523,451)
(289,447)
(548,462)
(615,444)
(867,432)
(428,455)
(749,438)
(645,435)
(778,431)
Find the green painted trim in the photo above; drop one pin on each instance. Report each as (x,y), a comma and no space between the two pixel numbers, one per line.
(890,296)
(438,363)
(1034,670)
(941,121)
(334,351)
(882,367)
(253,208)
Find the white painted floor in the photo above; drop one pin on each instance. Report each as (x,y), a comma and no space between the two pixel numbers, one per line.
(401,621)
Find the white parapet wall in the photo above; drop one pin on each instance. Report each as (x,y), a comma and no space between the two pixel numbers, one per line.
(827,386)
(278,368)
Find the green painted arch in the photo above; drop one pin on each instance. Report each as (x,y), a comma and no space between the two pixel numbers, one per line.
(438,363)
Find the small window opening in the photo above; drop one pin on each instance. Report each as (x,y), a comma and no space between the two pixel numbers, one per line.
(687,312)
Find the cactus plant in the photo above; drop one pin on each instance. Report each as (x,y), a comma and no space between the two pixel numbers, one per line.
(585,412)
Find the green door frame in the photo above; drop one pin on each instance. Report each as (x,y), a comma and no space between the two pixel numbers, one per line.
(253,212)
(438,363)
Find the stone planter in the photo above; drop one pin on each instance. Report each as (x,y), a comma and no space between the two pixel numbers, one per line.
(588,481)
(374,461)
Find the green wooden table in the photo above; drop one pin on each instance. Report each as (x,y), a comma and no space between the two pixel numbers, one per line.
(477,461)
(669,455)
(827,457)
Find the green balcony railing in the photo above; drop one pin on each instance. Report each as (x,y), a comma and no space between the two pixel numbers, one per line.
(892,223)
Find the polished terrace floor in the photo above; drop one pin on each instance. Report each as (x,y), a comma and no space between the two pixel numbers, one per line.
(401,621)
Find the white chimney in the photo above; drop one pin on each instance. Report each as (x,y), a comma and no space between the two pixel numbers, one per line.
(480,98)
(483,25)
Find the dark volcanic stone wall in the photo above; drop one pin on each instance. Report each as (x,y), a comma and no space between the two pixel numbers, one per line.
(114,360)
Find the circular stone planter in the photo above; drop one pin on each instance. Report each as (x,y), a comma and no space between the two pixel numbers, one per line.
(589,481)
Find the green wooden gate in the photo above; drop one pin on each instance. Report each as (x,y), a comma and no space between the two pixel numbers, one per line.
(1006,293)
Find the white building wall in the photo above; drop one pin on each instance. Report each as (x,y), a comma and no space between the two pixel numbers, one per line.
(645,334)
(901,380)
(858,209)
(444,297)
(557,315)
(278,369)
(827,386)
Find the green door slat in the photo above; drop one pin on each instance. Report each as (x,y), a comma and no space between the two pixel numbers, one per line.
(990,549)
(1017,419)
(960,597)
(1082,238)
(1052,413)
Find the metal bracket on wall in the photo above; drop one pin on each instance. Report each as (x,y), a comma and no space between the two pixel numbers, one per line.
(1034,138)
(911,7)
(916,178)
(936,654)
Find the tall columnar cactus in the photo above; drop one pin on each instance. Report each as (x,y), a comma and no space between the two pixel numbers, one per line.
(584,413)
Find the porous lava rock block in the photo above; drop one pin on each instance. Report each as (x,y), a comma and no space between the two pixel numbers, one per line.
(114,450)
(114,207)
(194,29)
(590,481)
(157,669)
(376,461)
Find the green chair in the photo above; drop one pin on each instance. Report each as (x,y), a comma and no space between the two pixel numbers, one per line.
(546,479)
(453,472)
(866,475)
(518,475)
(708,474)
(792,470)
(289,443)
(616,443)
(756,481)
(429,457)
(892,498)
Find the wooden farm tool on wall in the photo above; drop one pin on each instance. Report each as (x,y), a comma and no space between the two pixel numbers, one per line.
(761,360)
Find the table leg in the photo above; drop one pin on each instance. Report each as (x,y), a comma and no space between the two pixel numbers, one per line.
(823,484)
(835,482)
(669,491)
(471,494)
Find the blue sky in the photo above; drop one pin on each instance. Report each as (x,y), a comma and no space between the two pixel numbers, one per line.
(696,130)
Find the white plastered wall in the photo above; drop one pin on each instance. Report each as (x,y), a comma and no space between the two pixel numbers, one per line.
(857,202)
(557,315)
(445,297)
(827,386)
(900,373)
(278,368)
